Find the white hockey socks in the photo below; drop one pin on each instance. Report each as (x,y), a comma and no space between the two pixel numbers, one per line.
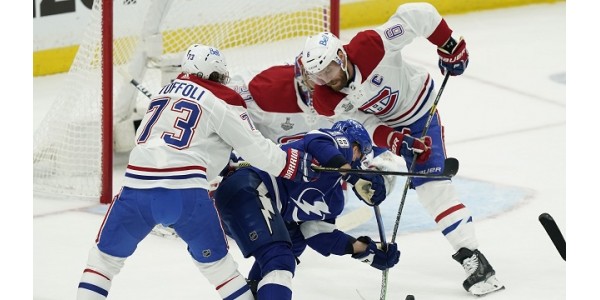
(226,278)
(277,284)
(453,219)
(96,278)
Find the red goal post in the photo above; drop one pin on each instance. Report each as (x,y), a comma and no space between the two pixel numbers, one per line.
(92,117)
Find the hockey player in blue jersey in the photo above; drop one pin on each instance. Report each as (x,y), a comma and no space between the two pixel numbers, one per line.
(274,220)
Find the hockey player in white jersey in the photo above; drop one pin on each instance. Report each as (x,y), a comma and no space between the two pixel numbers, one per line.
(368,80)
(279,101)
(184,141)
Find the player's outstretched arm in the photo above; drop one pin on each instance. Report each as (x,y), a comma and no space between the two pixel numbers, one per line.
(322,237)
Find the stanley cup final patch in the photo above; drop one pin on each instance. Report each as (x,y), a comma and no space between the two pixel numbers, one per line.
(287,125)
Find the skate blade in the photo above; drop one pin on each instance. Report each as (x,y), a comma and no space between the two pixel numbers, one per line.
(490,285)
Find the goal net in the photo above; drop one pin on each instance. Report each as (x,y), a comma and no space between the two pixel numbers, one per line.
(72,149)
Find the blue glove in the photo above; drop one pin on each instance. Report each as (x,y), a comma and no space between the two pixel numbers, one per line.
(370,189)
(381,259)
(298,166)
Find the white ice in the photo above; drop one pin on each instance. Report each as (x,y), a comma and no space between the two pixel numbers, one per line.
(505,121)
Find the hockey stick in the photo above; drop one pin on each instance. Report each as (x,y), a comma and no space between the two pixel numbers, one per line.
(407,184)
(555,234)
(450,169)
(140,87)
(384,247)
(345,222)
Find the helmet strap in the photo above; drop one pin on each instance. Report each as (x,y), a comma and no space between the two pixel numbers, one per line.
(344,65)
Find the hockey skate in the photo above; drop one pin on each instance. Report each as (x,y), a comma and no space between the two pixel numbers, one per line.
(481,278)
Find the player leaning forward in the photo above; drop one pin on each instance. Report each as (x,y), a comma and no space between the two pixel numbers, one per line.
(183,142)
(367,80)
(274,220)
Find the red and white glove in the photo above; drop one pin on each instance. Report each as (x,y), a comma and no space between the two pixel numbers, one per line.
(454,57)
(298,166)
(402,143)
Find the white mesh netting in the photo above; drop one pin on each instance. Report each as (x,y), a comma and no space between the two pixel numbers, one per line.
(67,151)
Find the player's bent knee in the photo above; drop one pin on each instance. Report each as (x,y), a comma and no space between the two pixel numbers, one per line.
(242,211)
(280,278)
(437,195)
(216,272)
(224,275)
(276,256)
(108,265)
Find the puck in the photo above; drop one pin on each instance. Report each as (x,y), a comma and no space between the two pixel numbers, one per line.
(410,297)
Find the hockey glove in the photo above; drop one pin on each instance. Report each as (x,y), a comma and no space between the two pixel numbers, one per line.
(298,166)
(386,161)
(235,162)
(454,57)
(370,189)
(376,257)
(402,143)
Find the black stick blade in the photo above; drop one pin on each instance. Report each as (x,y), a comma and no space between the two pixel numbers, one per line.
(450,167)
(555,234)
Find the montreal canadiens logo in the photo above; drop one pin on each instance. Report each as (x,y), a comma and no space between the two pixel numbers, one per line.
(382,103)
(377,79)
(394,32)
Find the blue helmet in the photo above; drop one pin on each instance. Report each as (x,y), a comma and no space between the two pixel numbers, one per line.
(356,132)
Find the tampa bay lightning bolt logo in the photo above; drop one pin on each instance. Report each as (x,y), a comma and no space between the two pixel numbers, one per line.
(318,207)
(394,32)
(377,79)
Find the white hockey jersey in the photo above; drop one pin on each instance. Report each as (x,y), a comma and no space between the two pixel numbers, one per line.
(386,89)
(188,132)
(277,106)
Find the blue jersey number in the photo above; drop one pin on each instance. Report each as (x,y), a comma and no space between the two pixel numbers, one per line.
(184,125)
